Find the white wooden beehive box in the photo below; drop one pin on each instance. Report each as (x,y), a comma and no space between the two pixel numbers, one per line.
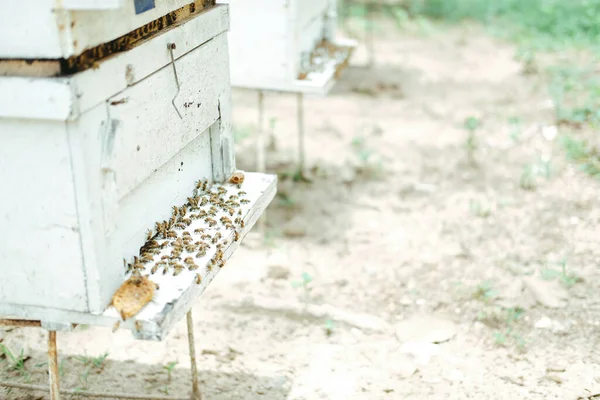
(91,159)
(286,45)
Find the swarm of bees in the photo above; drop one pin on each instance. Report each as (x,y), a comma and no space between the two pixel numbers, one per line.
(193,229)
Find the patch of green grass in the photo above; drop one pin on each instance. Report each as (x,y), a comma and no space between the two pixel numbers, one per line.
(543,24)
(169,368)
(304,283)
(329,326)
(586,157)
(471,125)
(561,273)
(90,363)
(485,292)
(479,210)
(15,362)
(370,163)
(506,332)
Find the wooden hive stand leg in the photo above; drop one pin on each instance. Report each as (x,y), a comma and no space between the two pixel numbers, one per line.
(195,387)
(261,158)
(300,172)
(53,366)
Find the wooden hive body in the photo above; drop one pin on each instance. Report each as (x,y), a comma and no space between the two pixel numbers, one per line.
(271,43)
(90,160)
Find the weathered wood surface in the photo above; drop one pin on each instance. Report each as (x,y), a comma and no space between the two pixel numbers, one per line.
(37,29)
(35,98)
(121,156)
(268,47)
(37,205)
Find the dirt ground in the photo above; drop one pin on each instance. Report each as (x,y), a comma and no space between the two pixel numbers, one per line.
(431,271)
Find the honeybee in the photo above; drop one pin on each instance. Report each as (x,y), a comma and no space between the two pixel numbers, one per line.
(203,201)
(185,233)
(199,230)
(178,268)
(233,197)
(189,260)
(244,201)
(236,236)
(219,255)
(171,222)
(212,211)
(149,234)
(201,184)
(193,267)
(175,211)
(175,254)
(198,279)
(201,253)
(242,193)
(187,221)
(147,257)
(193,201)
(240,222)
(205,236)
(225,220)
(178,242)
(165,257)
(229,226)
(239,212)
(190,248)
(171,234)
(231,211)
(214,240)
(221,190)
(180,225)
(221,263)
(211,222)
(165,269)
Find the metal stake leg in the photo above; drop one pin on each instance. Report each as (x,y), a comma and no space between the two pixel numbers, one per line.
(300,120)
(261,162)
(195,388)
(53,366)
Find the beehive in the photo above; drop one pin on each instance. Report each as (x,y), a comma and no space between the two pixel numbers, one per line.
(286,45)
(97,145)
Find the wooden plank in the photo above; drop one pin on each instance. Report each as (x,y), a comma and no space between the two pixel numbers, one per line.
(315,83)
(36,98)
(51,97)
(150,131)
(30,68)
(40,251)
(48,32)
(124,69)
(176,294)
